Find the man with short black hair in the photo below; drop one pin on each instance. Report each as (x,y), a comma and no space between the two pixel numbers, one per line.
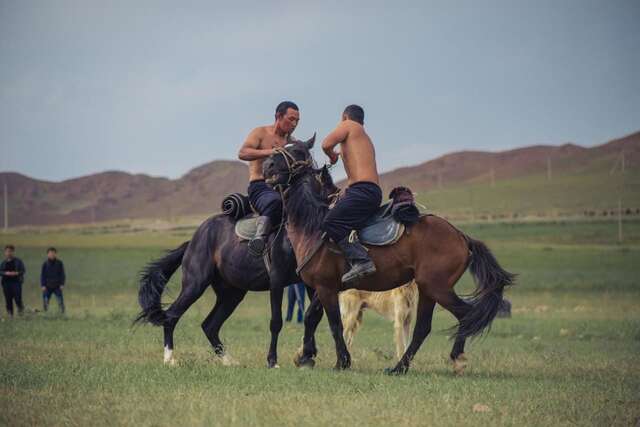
(12,271)
(354,112)
(52,279)
(260,144)
(363,195)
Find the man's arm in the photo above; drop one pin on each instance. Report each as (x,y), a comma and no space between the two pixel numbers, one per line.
(338,135)
(251,150)
(42,274)
(63,277)
(21,270)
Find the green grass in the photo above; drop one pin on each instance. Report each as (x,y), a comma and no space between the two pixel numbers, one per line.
(567,194)
(568,356)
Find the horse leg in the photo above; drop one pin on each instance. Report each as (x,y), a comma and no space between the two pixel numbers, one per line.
(330,303)
(420,332)
(191,291)
(227,301)
(304,356)
(459,308)
(275,325)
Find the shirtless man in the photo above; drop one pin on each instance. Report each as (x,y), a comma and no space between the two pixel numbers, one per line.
(260,144)
(363,195)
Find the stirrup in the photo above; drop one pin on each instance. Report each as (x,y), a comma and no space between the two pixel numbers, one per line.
(359,271)
(257,246)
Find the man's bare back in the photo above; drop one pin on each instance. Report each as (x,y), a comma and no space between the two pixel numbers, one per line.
(357,152)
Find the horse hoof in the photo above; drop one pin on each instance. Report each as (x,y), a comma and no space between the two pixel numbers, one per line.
(272,364)
(169,360)
(303,361)
(459,364)
(398,370)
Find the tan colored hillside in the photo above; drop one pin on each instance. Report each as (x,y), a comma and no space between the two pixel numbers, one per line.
(454,183)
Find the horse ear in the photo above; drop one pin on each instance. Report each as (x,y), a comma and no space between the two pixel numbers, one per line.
(309,143)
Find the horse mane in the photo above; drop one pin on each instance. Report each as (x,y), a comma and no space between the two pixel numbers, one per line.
(306,207)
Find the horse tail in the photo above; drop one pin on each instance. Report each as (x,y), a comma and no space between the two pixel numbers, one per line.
(491,279)
(153,280)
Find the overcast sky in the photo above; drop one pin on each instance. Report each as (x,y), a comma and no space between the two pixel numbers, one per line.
(161,87)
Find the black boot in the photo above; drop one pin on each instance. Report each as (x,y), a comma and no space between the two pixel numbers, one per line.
(259,242)
(358,258)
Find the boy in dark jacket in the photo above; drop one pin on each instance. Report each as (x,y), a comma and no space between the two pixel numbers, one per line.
(12,271)
(52,279)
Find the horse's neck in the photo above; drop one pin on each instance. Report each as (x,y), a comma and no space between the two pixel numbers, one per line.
(302,243)
(305,219)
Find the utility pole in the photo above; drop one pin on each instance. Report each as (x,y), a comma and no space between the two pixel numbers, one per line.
(6,207)
(622,155)
(549,176)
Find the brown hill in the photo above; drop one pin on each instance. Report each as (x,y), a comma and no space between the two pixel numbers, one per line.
(118,195)
(472,166)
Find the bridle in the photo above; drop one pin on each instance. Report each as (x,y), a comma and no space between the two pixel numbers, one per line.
(294,166)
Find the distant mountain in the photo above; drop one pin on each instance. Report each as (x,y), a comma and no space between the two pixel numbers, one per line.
(467,167)
(119,195)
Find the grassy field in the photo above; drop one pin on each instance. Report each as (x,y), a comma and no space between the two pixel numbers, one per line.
(594,190)
(569,354)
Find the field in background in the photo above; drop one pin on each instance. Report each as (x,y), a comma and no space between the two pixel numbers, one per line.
(590,194)
(568,356)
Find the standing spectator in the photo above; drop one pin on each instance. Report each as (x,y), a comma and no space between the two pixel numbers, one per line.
(52,279)
(295,295)
(12,271)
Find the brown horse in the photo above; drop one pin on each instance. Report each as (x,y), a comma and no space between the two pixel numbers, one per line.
(432,252)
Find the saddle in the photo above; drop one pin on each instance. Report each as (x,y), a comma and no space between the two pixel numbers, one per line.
(381,229)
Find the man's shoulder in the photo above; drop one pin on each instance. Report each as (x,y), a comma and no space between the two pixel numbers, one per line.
(354,128)
(262,130)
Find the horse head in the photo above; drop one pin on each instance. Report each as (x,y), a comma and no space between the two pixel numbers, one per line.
(287,162)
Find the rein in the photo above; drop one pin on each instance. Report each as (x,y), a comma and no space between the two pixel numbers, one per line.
(294,167)
(309,256)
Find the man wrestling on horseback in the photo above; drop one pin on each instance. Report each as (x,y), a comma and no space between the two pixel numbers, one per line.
(363,195)
(260,144)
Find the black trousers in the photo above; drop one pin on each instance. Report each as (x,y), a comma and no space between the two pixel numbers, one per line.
(360,202)
(265,200)
(13,292)
(46,295)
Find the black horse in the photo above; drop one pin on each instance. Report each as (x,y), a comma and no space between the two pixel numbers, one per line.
(216,257)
